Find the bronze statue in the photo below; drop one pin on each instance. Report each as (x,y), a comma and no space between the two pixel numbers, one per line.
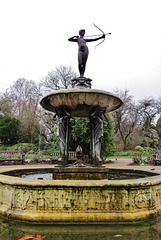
(83,49)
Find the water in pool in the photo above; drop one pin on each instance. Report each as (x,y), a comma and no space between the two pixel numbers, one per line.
(15,231)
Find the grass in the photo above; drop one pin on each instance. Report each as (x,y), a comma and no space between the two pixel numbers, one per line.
(123,154)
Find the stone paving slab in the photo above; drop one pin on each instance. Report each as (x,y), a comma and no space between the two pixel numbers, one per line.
(119,163)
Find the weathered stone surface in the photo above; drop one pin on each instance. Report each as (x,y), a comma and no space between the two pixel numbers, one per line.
(79,102)
(80,200)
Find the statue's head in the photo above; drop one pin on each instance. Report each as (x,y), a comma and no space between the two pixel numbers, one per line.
(82,32)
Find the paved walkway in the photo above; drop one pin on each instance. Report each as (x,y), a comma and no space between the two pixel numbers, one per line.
(119,163)
(128,163)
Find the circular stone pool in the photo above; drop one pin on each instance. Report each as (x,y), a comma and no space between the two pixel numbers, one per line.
(84,173)
(80,201)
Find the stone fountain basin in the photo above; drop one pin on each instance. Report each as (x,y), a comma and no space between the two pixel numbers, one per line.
(80,201)
(80,102)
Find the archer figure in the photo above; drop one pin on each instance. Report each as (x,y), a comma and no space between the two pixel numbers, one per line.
(83,49)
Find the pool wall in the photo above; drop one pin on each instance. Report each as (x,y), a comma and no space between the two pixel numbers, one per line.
(80,201)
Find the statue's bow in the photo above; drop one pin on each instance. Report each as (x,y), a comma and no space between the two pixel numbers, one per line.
(102,32)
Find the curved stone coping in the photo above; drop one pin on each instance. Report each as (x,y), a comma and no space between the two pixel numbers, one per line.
(80,101)
(147,181)
(80,201)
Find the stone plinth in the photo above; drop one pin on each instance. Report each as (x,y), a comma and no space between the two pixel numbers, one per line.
(80,173)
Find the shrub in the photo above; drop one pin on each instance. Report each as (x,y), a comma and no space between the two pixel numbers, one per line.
(25,147)
(137,157)
(9,130)
(139,149)
(142,155)
(4,148)
(35,158)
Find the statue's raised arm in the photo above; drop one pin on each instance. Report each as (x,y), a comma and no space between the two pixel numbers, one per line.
(83,49)
(73,39)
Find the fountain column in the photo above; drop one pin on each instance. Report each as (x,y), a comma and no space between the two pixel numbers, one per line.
(96,132)
(63,133)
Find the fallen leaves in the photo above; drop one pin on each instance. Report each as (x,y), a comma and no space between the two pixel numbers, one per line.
(30,237)
(118,235)
(25,237)
(3,221)
(39,237)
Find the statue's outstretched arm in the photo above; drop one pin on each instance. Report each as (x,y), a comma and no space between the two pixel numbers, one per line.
(95,39)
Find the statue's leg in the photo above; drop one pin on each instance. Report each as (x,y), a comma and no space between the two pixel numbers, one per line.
(84,60)
(83,68)
(80,70)
(80,63)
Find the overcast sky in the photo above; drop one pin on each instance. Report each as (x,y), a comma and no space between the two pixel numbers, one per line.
(34,40)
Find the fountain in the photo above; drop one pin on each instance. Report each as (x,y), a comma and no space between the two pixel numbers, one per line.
(80,193)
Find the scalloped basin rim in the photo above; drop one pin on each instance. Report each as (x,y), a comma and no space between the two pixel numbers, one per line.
(80,102)
(83,90)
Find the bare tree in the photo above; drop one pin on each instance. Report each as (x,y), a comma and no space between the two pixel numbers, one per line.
(126,117)
(158,125)
(25,96)
(58,79)
(6,104)
(148,111)
(55,80)
(158,129)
